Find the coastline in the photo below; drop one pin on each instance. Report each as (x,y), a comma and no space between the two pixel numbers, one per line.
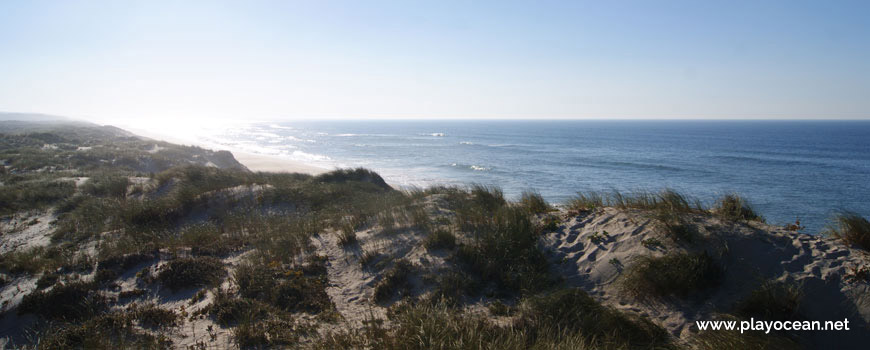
(253,161)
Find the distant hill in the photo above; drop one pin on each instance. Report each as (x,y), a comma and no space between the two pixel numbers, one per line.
(32,117)
(69,145)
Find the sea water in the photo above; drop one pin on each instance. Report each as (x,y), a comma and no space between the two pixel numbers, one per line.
(787,169)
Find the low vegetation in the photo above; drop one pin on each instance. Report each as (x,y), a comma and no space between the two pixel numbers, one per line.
(503,250)
(851,228)
(772,300)
(441,239)
(734,207)
(676,274)
(191,272)
(72,301)
(286,288)
(107,331)
(395,282)
(568,319)
(534,203)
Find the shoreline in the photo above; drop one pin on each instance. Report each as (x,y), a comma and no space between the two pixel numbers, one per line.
(252,161)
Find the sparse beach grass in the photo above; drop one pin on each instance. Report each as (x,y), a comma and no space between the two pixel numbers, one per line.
(851,228)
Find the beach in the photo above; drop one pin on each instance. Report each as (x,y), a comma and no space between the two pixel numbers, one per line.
(252,161)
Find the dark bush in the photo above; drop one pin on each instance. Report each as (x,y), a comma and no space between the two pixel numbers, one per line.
(678,274)
(69,302)
(191,272)
(289,290)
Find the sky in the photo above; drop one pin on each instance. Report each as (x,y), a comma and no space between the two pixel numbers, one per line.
(193,61)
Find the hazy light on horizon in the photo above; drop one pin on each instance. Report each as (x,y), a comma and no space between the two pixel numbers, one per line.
(270,60)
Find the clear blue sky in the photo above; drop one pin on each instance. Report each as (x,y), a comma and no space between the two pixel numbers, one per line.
(436,59)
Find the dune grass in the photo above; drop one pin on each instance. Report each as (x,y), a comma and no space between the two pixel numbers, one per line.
(534,202)
(288,288)
(568,319)
(851,228)
(396,282)
(772,300)
(38,193)
(676,274)
(70,302)
(503,250)
(665,200)
(734,207)
(440,239)
(191,272)
(108,331)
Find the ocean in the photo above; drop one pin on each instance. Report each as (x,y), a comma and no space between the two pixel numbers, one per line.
(787,169)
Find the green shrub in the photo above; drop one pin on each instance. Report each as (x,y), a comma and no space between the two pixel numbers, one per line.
(677,274)
(851,228)
(191,272)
